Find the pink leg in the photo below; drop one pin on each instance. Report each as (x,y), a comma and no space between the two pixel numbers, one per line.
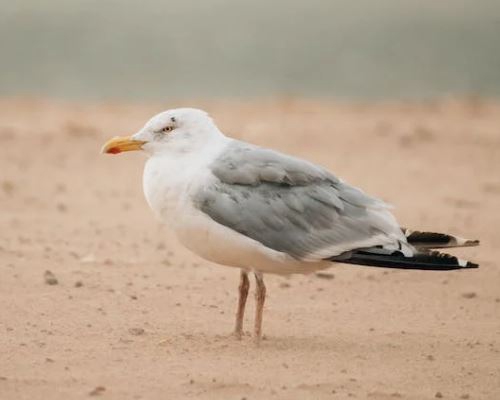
(243,288)
(260,297)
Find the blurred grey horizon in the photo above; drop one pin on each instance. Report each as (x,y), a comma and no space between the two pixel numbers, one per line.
(89,49)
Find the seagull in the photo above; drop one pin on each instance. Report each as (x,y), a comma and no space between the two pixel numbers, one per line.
(262,211)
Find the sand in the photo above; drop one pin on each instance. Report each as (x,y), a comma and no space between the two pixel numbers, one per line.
(126,313)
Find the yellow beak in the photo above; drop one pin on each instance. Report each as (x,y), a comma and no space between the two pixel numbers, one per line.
(121,144)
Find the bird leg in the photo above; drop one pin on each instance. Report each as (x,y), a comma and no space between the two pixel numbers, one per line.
(243,288)
(260,297)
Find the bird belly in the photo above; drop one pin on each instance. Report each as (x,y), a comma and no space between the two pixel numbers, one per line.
(219,244)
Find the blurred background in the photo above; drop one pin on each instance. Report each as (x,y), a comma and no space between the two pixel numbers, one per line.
(397,97)
(225,48)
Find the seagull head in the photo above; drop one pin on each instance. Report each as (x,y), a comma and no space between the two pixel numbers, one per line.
(180,129)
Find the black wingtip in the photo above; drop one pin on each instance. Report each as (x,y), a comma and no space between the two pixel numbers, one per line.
(434,240)
(429,260)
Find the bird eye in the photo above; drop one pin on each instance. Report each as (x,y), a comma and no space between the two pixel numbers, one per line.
(167,129)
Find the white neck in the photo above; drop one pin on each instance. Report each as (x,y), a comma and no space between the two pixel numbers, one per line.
(169,173)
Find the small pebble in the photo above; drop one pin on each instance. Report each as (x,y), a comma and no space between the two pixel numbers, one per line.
(438,395)
(324,275)
(8,187)
(97,391)
(469,295)
(136,331)
(50,278)
(78,284)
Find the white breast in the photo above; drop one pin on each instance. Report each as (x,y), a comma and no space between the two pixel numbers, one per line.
(167,181)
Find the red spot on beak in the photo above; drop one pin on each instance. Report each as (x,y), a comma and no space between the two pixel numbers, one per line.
(114,150)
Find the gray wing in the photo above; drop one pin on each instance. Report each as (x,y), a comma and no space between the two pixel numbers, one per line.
(293,206)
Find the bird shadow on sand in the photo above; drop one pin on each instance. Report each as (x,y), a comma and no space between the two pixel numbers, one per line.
(218,342)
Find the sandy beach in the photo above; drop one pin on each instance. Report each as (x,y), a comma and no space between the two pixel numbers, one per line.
(99,300)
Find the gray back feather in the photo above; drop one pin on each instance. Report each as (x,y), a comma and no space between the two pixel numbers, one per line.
(290,205)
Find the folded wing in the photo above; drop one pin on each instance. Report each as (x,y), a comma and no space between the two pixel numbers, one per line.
(294,206)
